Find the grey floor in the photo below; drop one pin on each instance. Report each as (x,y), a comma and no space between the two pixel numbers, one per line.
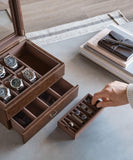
(109,137)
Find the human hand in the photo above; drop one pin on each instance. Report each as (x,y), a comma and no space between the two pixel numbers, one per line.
(113,94)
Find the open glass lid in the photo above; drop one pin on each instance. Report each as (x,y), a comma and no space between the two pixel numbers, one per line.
(11,24)
(6,25)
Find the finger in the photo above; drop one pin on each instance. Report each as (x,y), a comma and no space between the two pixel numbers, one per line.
(104,104)
(105,99)
(98,95)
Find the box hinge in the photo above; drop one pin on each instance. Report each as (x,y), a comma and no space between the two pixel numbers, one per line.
(23,32)
(22,39)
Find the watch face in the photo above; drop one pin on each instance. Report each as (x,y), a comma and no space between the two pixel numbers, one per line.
(89,111)
(83,117)
(10,61)
(83,106)
(29,74)
(77,112)
(16,82)
(3,92)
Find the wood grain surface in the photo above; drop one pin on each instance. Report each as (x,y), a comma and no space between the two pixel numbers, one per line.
(43,14)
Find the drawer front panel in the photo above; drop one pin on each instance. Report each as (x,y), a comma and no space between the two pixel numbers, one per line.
(44,120)
(49,114)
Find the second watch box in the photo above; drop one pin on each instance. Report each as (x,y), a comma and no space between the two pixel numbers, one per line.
(75,121)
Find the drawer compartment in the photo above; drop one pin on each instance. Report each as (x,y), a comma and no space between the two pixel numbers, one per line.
(61,87)
(40,111)
(36,107)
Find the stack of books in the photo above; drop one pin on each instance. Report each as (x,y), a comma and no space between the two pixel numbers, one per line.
(118,65)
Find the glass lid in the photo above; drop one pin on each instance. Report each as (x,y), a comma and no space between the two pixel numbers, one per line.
(6,25)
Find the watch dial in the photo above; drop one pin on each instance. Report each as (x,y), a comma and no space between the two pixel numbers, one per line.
(83,117)
(28,74)
(3,92)
(77,112)
(16,82)
(83,106)
(11,61)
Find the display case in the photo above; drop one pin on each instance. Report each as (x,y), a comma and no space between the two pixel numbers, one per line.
(30,104)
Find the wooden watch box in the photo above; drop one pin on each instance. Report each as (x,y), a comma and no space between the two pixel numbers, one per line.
(75,121)
(29,110)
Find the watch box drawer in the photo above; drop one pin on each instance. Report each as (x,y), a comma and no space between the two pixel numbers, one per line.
(44,108)
(75,121)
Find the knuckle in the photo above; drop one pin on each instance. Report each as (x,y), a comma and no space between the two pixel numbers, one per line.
(106,90)
(108,85)
(95,95)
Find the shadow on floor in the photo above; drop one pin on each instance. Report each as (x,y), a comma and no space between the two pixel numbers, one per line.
(9,139)
(58,135)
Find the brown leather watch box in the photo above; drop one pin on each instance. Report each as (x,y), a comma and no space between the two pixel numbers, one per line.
(75,121)
(30,109)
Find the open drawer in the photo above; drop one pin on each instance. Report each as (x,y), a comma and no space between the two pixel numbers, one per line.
(44,108)
(76,120)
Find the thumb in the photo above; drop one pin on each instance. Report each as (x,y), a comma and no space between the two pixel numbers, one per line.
(104,104)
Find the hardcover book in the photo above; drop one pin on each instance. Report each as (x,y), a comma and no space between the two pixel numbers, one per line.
(125,73)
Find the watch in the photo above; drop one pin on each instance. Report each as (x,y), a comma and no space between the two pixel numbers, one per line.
(71,124)
(16,83)
(84,117)
(2,71)
(77,112)
(5,93)
(29,75)
(11,62)
(83,106)
(89,111)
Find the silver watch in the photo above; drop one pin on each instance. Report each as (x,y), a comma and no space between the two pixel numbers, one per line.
(17,83)
(29,75)
(11,62)
(2,71)
(5,93)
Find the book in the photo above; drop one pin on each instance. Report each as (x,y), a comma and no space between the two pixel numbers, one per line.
(124,73)
(93,43)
